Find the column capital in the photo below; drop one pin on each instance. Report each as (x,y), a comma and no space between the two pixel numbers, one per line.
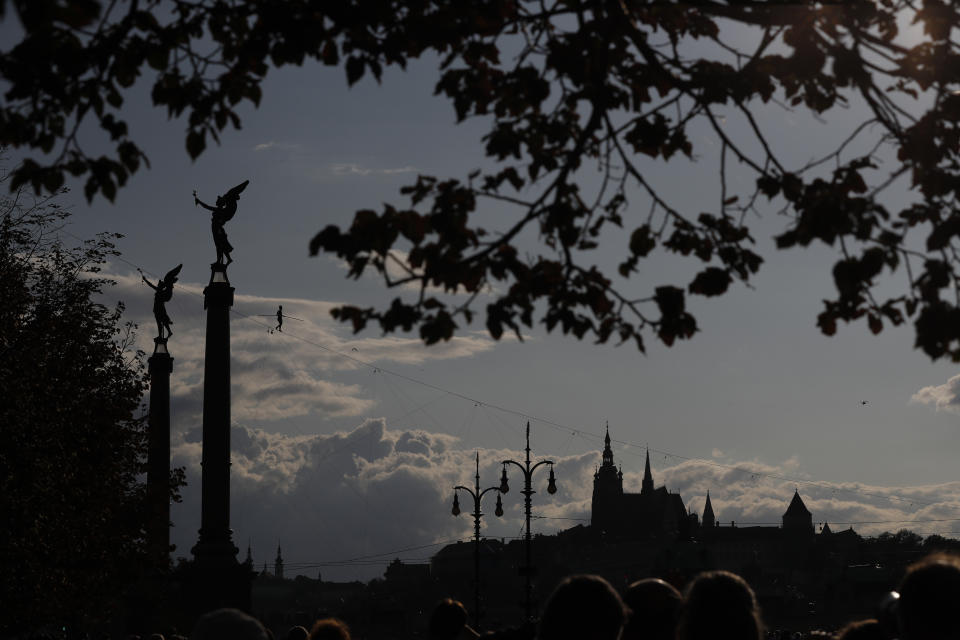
(218,294)
(160,361)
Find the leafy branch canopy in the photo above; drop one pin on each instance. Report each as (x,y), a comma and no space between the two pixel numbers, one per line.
(617,83)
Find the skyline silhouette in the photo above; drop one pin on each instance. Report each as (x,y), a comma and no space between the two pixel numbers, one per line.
(730,481)
(758,387)
(700,263)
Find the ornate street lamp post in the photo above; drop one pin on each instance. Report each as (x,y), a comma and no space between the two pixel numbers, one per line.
(528,470)
(477,495)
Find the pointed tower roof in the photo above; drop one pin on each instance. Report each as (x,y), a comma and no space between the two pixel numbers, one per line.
(647,485)
(278,563)
(708,519)
(607,451)
(796,508)
(826,529)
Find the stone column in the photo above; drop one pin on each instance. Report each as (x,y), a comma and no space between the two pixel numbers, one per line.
(219,580)
(160,365)
(215,546)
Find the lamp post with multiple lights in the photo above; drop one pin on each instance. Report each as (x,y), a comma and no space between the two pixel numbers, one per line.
(477,495)
(527,491)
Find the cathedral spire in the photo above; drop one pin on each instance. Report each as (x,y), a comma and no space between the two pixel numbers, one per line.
(278,563)
(647,486)
(607,451)
(708,519)
(607,490)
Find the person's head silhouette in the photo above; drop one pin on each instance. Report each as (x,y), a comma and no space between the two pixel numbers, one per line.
(297,633)
(583,607)
(654,606)
(228,624)
(329,629)
(719,604)
(449,621)
(929,593)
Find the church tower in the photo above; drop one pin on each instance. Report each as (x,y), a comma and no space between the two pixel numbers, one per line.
(708,519)
(607,491)
(278,564)
(646,488)
(798,519)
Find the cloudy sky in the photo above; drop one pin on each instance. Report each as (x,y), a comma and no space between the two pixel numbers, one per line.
(346,447)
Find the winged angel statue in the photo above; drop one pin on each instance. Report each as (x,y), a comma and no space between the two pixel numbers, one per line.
(163,294)
(221,214)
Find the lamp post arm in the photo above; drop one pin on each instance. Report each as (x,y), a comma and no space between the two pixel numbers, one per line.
(475,497)
(538,464)
(522,468)
(482,493)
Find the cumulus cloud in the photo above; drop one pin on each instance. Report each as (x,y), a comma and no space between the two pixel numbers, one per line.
(327,498)
(944,397)
(378,488)
(330,497)
(751,493)
(384,493)
(278,375)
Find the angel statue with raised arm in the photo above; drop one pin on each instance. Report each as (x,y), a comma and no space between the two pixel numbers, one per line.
(163,294)
(222,213)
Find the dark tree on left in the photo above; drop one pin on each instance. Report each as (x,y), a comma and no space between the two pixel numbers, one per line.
(72,431)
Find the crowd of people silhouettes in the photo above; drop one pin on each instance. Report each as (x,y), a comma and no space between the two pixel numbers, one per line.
(715,605)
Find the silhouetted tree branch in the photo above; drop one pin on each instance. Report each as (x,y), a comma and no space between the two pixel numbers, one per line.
(619,83)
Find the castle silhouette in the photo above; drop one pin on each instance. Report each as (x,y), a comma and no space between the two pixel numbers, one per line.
(796,572)
(658,513)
